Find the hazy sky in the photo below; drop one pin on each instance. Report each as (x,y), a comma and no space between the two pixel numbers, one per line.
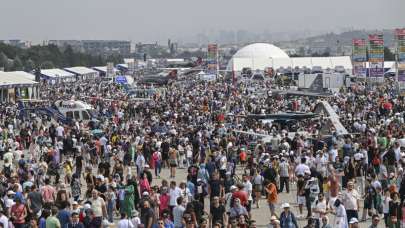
(153,20)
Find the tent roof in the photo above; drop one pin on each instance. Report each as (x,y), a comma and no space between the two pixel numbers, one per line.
(81,70)
(8,79)
(56,73)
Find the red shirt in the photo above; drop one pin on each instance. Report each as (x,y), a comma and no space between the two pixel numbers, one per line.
(243,196)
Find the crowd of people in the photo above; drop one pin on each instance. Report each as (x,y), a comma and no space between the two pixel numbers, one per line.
(108,172)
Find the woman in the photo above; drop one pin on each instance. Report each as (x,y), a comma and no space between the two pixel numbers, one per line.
(394,211)
(287,218)
(173,162)
(340,215)
(144,184)
(164,199)
(157,159)
(258,186)
(75,187)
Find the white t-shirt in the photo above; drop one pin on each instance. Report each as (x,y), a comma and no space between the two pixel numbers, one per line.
(125,223)
(301,169)
(248,188)
(4,220)
(174,194)
(59,131)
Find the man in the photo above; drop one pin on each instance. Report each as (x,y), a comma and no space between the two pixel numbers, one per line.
(125,222)
(217,212)
(48,192)
(64,214)
(75,222)
(375,220)
(178,212)
(215,187)
(98,207)
(241,195)
(174,193)
(34,200)
(52,221)
(147,215)
(302,168)
(350,200)
(284,175)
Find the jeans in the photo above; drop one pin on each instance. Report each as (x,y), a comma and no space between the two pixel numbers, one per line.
(110,210)
(158,168)
(284,180)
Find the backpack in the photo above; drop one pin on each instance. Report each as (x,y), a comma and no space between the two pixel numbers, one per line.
(7,171)
(47,194)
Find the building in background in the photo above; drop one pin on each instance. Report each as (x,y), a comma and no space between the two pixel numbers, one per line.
(96,47)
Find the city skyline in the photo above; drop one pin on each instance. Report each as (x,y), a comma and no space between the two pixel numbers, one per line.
(183,20)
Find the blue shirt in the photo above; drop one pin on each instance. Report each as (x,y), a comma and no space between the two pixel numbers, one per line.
(63,217)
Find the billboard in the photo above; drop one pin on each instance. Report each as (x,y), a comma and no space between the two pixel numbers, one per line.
(212,59)
(359,57)
(376,55)
(400,38)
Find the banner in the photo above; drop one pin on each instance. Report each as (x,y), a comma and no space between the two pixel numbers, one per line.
(359,57)
(400,38)
(212,59)
(359,50)
(376,55)
(359,69)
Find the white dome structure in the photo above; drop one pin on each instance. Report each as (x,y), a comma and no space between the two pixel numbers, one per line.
(257,56)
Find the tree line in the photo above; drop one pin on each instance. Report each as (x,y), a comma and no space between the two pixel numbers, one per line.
(49,56)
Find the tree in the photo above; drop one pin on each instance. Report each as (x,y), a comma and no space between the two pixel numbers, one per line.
(29,65)
(3,60)
(388,55)
(301,51)
(17,64)
(47,65)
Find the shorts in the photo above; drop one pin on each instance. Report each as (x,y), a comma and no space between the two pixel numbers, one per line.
(172,163)
(301,200)
(258,188)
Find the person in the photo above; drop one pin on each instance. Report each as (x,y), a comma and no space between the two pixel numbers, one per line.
(174,194)
(287,218)
(34,201)
(325,223)
(18,213)
(284,169)
(125,222)
(272,197)
(350,200)
(354,223)
(75,221)
(340,215)
(320,209)
(147,214)
(237,209)
(375,220)
(394,211)
(274,222)
(98,208)
(217,212)
(4,219)
(52,221)
(178,213)
(64,214)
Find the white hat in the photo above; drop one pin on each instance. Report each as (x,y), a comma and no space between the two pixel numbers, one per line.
(75,203)
(233,187)
(145,193)
(146,166)
(285,205)
(87,206)
(353,220)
